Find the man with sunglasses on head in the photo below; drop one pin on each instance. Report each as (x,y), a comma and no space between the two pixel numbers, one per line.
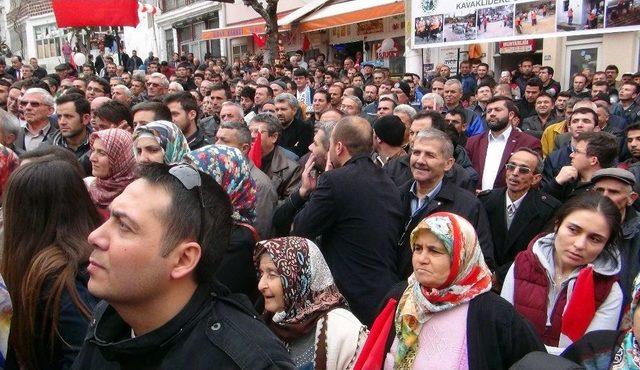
(154,263)
(519,211)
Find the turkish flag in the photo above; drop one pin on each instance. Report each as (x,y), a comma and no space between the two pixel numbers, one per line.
(81,13)
(259,40)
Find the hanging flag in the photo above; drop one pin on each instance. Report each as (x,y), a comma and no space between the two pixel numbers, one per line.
(259,40)
(306,44)
(255,153)
(81,13)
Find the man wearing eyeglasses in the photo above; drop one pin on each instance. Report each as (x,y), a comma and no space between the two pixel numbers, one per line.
(97,87)
(157,86)
(519,211)
(37,106)
(593,151)
(154,263)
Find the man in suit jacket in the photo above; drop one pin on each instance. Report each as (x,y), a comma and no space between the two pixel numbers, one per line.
(356,209)
(518,212)
(489,151)
(429,192)
(14,70)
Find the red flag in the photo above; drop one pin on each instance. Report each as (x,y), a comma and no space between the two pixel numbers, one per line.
(259,40)
(255,153)
(306,44)
(582,307)
(372,355)
(80,13)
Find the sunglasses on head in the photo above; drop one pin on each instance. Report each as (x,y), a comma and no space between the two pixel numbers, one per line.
(189,177)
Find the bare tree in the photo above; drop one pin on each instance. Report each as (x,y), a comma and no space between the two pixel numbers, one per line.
(14,24)
(269,12)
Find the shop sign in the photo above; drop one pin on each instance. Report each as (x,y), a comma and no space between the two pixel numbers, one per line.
(388,49)
(369,27)
(517,46)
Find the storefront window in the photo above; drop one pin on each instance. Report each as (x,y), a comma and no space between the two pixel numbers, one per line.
(168,34)
(388,52)
(48,41)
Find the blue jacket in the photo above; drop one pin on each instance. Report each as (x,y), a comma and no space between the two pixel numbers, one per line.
(469,84)
(554,163)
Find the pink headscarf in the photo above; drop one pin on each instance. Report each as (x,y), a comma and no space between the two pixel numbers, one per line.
(119,148)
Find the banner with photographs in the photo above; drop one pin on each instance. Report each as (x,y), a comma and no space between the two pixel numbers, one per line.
(437,23)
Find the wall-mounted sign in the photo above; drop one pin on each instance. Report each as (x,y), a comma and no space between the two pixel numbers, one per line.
(369,27)
(437,23)
(517,46)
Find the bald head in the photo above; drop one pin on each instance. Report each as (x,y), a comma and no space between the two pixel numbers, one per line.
(98,102)
(354,134)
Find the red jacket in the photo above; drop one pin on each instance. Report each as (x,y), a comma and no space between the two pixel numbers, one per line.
(531,291)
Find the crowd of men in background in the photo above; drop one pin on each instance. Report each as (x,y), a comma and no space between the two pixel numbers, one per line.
(515,145)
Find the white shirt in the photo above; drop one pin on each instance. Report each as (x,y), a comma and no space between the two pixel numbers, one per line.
(515,204)
(494,157)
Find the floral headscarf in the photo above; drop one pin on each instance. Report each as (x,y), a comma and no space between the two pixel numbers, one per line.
(628,354)
(307,283)
(228,166)
(8,162)
(119,148)
(169,137)
(468,277)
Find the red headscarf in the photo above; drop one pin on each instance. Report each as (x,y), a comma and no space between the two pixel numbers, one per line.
(119,148)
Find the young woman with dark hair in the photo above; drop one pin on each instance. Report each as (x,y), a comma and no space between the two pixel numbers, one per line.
(48,215)
(565,283)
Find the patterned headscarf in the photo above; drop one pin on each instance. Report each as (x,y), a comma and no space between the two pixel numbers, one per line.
(628,354)
(468,277)
(8,162)
(169,136)
(119,148)
(228,166)
(307,283)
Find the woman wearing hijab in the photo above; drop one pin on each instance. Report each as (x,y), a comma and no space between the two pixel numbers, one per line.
(112,165)
(565,283)
(304,307)
(229,167)
(610,349)
(446,316)
(159,141)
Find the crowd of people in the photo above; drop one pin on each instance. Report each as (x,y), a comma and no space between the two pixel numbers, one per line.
(317,215)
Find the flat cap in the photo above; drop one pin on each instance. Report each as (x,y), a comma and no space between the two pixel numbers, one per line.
(614,173)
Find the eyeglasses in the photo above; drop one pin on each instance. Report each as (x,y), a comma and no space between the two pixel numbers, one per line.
(95,89)
(521,169)
(35,104)
(152,84)
(189,177)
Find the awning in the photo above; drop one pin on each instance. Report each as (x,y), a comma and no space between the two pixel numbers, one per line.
(301,12)
(350,12)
